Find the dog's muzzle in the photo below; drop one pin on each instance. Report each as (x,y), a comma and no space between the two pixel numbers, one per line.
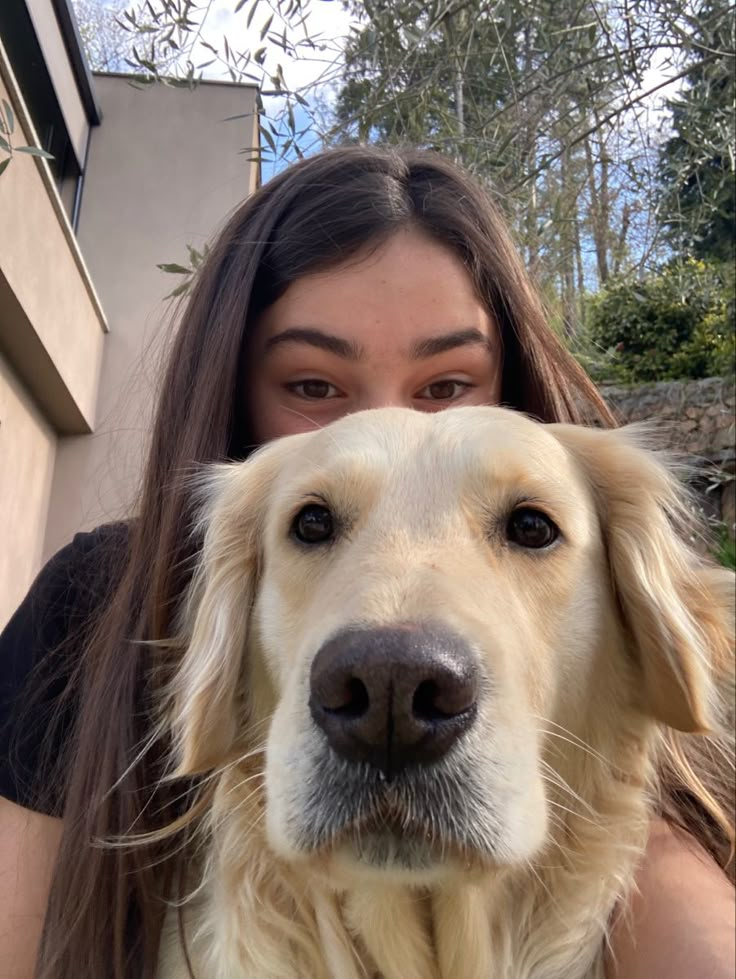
(394,697)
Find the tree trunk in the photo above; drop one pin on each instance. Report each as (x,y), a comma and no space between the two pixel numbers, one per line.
(597,227)
(567,246)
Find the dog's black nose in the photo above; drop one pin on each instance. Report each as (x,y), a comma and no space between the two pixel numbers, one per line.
(394,697)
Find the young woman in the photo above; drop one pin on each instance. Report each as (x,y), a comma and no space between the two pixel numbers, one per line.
(355,279)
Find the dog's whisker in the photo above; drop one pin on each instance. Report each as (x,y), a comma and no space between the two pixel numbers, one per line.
(240,760)
(557,780)
(545,887)
(317,426)
(242,803)
(573,738)
(141,752)
(572,812)
(222,769)
(578,743)
(249,778)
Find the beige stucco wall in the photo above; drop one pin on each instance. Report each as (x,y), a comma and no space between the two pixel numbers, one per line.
(163,170)
(57,62)
(51,327)
(27,451)
(52,331)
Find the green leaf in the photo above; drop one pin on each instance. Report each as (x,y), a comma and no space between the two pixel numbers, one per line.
(251,13)
(180,289)
(269,138)
(4,165)
(35,151)
(5,145)
(174,269)
(266,27)
(240,115)
(9,116)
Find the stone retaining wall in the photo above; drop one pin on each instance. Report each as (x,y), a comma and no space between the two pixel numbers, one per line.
(697,418)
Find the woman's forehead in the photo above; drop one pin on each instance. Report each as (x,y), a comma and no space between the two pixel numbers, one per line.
(410,288)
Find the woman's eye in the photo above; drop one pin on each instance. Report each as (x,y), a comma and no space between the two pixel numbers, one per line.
(531,529)
(446,390)
(313,389)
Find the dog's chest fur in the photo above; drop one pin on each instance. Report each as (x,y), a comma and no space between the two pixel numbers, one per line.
(463,940)
(257,918)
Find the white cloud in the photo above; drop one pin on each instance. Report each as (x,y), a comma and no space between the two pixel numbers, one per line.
(316,37)
(325,22)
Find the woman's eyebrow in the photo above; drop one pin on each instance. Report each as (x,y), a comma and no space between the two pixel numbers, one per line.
(350,350)
(347,349)
(431,346)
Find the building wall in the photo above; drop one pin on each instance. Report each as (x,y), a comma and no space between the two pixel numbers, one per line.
(163,171)
(52,332)
(57,62)
(51,324)
(27,452)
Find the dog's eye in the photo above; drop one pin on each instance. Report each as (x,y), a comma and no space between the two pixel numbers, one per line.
(313,524)
(530,528)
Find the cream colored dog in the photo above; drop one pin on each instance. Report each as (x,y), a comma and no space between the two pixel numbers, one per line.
(428,663)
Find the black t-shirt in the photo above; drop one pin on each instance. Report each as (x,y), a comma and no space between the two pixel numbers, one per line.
(39,649)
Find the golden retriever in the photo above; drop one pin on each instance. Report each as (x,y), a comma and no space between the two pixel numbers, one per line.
(428,660)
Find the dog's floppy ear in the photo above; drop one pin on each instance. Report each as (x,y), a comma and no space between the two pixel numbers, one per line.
(677,607)
(206,698)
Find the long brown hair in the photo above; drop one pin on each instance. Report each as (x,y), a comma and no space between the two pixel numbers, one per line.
(107,904)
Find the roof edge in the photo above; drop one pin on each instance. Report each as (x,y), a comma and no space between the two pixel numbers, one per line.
(75,49)
(176,82)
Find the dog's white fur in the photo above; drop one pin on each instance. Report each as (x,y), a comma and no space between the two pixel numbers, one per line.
(588,647)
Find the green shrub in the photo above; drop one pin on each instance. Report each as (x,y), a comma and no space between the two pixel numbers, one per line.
(676,323)
(725,550)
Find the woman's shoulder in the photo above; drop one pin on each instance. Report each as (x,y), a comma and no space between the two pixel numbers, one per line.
(69,585)
(40,647)
(107,541)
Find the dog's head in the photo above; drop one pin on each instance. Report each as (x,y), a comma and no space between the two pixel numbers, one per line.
(409,609)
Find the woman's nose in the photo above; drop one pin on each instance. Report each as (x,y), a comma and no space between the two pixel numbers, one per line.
(384,398)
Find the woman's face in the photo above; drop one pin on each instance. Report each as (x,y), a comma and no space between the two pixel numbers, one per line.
(400,326)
